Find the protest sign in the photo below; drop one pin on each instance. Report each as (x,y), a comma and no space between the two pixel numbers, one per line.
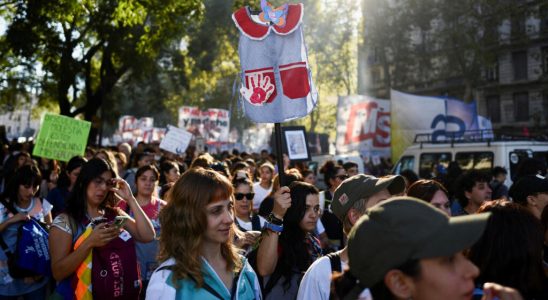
(176,140)
(61,137)
(212,124)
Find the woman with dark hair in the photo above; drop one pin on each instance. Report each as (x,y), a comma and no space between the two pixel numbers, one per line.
(333,175)
(243,206)
(432,192)
(18,204)
(397,263)
(146,181)
(514,258)
(198,260)
(288,246)
(309,177)
(49,168)
(169,173)
(92,207)
(57,197)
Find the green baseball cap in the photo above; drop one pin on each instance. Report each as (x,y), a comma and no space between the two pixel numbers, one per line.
(362,186)
(406,228)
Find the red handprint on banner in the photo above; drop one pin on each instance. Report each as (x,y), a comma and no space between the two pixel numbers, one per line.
(260,89)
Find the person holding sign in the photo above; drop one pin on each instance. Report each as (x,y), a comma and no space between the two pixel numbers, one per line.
(288,246)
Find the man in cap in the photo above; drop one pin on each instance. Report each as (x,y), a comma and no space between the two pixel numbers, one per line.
(531,191)
(350,201)
(417,253)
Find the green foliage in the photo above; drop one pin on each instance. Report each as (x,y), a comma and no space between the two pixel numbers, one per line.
(79,50)
(108,58)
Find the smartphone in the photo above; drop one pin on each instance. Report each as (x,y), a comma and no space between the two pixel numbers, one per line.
(98,221)
(120,220)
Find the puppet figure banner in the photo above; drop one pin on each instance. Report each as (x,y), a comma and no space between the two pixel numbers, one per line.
(276,82)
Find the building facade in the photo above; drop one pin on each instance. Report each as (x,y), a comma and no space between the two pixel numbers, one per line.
(507,73)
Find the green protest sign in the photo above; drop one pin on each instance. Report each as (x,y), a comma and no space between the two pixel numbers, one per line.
(61,137)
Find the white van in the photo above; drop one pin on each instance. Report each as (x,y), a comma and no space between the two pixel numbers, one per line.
(424,157)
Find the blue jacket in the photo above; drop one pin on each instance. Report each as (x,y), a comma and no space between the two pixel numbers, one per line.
(161,284)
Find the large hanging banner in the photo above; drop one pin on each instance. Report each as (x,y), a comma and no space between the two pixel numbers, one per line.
(363,125)
(441,118)
(212,124)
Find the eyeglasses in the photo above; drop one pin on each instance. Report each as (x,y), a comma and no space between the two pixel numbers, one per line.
(100,181)
(342,177)
(240,196)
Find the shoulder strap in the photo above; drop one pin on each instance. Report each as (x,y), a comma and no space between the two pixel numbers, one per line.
(206,286)
(4,246)
(335,260)
(256,223)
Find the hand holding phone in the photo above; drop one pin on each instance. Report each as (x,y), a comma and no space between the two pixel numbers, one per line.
(120,220)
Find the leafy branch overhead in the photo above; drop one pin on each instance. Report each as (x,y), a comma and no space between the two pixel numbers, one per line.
(81,49)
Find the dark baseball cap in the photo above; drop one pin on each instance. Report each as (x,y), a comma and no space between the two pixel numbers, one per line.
(527,186)
(405,228)
(362,186)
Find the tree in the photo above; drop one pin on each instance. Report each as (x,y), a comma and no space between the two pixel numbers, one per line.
(420,43)
(78,50)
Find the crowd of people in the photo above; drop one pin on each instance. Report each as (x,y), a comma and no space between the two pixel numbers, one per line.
(138,222)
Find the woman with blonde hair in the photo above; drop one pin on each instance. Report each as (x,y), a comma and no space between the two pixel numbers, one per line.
(201,263)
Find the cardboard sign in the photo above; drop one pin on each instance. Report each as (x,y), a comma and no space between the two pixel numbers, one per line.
(61,137)
(212,124)
(176,140)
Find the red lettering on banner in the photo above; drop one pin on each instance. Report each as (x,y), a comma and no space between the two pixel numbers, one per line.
(382,136)
(367,121)
(361,123)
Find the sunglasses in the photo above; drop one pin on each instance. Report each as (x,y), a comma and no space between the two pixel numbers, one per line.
(240,196)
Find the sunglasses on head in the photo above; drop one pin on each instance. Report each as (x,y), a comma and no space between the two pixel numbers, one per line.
(240,196)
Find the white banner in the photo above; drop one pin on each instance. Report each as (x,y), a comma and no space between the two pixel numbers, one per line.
(363,125)
(212,124)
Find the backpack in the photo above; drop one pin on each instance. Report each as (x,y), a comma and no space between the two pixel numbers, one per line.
(31,256)
(115,271)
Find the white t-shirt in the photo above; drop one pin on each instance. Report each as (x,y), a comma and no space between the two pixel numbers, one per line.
(316,282)
(260,194)
(319,226)
(248,226)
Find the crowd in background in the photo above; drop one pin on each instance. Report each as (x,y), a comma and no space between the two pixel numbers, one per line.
(219,226)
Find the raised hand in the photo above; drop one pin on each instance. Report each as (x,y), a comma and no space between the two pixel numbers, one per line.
(282,201)
(121,189)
